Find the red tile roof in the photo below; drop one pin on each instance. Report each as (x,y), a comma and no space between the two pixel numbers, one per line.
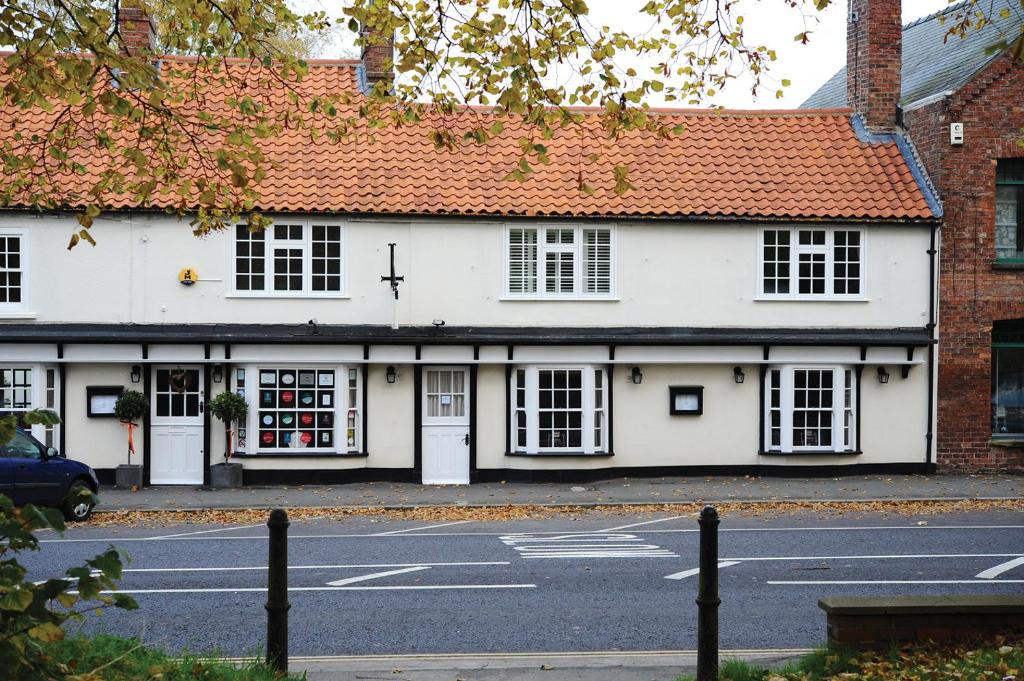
(801,164)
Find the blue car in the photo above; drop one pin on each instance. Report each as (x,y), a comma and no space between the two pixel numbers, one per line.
(31,473)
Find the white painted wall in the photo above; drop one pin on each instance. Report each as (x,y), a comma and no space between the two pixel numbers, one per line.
(97,441)
(668,275)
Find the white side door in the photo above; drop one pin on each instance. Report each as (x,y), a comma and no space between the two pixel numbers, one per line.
(176,426)
(445,426)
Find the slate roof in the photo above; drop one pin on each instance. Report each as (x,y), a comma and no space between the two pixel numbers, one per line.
(933,63)
(754,165)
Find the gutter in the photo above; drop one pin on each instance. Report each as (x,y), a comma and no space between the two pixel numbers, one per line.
(932,315)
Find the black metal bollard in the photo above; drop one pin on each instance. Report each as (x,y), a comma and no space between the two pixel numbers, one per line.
(277,591)
(707,597)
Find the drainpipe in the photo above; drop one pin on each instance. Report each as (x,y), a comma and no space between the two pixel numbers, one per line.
(929,436)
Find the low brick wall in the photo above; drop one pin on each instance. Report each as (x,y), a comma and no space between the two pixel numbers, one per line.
(878,622)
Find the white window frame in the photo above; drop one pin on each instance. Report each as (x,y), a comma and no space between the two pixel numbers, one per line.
(38,397)
(306,244)
(20,308)
(577,249)
(251,393)
(786,385)
(795,249)
(587,406)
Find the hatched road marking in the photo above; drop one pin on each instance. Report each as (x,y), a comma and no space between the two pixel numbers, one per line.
(593,545)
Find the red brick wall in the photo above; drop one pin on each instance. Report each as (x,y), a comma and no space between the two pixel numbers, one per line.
(136,30)
(972,292)
(873,55)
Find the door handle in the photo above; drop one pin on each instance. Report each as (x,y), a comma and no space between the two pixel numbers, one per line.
(202,406)
(465,440)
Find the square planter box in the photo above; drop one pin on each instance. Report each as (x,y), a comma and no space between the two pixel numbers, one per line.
(226,475)
(128,476)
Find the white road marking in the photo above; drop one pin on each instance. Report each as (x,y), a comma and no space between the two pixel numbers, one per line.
(696,571)
(646,522)
(414,529)
(1000,569)
(418,587)
(219,529)
(878,557)
(310,567)
(902,581)
(590,545)
(376,575)
(872,528)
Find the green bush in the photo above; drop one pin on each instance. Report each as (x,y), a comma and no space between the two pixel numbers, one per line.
(230,408)
(33,614)
(131,406)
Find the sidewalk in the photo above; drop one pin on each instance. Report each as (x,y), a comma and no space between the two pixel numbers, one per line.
(615,491)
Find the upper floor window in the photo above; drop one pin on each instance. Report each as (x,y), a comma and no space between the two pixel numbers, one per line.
(12,270)
(811,263)
(810,409)
(560,262)
(291,258)
(1010,209)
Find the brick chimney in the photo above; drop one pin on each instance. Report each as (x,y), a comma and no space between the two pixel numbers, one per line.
(874,52)
(378,53)
(138,35)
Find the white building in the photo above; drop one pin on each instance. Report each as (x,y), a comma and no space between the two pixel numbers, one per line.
(763,298)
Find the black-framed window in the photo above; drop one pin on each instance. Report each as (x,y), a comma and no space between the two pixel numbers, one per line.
(1008,379)
(1009,228)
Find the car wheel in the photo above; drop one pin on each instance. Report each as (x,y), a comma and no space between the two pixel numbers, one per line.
(77,506)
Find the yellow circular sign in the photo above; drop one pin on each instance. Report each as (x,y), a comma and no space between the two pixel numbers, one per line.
(188,276)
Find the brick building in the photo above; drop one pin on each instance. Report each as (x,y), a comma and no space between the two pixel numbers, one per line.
(961,103)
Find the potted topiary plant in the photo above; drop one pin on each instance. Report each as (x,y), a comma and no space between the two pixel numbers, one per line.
(231,409)
(131,407)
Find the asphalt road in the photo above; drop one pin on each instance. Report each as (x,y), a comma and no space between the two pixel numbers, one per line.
(612,583)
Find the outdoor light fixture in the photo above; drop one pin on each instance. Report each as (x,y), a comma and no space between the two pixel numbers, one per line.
(737,374)
(136,373)
(636,377)
(218,373)
(391,375)
(883,375)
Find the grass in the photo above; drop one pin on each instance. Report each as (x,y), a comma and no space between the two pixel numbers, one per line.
(999,660)
(109,658)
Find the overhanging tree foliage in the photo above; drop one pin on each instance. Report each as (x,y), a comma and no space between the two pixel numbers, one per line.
(130,132)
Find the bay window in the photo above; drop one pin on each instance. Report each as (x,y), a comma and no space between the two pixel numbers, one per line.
(27,387)
(810,409)
(559,262)
(558,410)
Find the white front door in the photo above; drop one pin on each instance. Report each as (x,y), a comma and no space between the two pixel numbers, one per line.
(445,434)
(176,426)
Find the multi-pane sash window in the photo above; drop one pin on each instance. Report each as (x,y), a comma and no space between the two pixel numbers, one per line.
(810,409)
(811,263)
(15,390)
(23,388)
(290,258)
(553,262)
(12,270)
(1010,209)
(558,409)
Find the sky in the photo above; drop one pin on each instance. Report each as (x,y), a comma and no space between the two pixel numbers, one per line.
(768,22)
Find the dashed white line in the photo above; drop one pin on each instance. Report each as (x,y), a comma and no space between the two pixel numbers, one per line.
(876,557)
(417,587)
(236,568)
(1000,569)
(696,571)
(899,581)
(376,575)
(414,529)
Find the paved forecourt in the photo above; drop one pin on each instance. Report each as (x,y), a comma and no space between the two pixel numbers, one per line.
(367,586)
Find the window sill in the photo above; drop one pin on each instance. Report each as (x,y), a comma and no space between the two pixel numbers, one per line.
(812,452)
(289,296)
(311,455)
(811,299)
(574,455)
(1008,442)
(1008,264)
(17,314)
(558,299)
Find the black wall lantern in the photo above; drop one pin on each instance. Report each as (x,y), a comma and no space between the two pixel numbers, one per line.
(218,373)
(391,374)
(738,375)
(883,375)
(136,373)
(636,377)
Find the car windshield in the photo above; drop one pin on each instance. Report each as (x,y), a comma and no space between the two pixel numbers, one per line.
(21,447)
